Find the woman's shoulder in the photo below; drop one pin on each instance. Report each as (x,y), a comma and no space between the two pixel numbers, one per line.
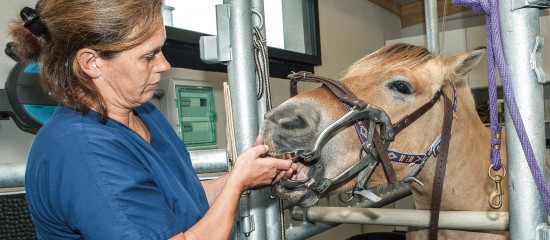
(66,123)
(67,128)
(75,137)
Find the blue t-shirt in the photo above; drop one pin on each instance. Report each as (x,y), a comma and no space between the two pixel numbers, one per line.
(90,180)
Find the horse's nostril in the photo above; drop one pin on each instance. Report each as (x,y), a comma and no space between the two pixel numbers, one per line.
(294,122)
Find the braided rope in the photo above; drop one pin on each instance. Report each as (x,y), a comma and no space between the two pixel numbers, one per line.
(262,67)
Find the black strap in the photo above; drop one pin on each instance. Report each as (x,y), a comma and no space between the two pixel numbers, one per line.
(409,119)
(338,89)
(437,189)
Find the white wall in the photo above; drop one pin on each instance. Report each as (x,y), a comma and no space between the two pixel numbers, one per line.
(350,30)
(456,21)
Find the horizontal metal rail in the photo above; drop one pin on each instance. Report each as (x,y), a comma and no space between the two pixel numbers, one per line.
(457,220)
(12,175)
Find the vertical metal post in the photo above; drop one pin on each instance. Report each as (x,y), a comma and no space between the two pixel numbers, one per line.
(432,33)
(243,87)
(519,31)
(271,206)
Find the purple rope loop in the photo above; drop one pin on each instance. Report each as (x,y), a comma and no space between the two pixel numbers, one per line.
(494,51)
(490,8)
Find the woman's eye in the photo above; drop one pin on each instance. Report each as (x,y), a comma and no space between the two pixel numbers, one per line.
(401,87)
(150,57)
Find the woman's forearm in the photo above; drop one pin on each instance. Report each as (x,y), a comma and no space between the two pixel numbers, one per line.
(218,221)
(214,187)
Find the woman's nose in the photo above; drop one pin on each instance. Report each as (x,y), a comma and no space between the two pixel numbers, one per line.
(163,64)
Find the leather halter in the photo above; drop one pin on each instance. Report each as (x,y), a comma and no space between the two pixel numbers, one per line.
(374,145)
(377,144)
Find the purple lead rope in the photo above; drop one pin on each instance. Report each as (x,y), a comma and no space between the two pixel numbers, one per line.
(494,51)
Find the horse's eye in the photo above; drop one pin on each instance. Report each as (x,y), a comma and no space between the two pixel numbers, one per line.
(401,86)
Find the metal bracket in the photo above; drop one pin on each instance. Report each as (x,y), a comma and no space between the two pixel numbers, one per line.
(543,232)
(248,225)
(536,59)
(367,194)
(516,4)
(216,49)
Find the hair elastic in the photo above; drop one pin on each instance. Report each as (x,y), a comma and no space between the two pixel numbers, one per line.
(33,22)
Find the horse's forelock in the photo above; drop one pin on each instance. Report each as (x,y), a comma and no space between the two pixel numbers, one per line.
(389,58)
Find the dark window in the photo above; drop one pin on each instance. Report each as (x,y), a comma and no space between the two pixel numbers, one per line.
(293,41)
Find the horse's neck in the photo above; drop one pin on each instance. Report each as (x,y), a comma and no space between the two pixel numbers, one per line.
(466,168)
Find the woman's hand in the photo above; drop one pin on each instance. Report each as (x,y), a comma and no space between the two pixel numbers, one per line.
(254,169)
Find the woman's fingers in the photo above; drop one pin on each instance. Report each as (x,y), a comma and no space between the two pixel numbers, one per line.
(256,170)
(278,177)
(282,164)
(285,171)
(259,140)
(291,170)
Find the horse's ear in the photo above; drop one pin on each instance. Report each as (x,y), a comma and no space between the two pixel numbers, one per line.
(461,64)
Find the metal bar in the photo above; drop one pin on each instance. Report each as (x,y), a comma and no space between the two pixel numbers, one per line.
(432,33)
(516,4)
(389,194)
(273,221)
(204,161)
(210,161)
(519,30)
(243,87)
(458,220)
(12,175)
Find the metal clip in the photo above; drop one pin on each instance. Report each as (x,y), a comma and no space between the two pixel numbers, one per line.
(536,60)
(413,179)
(496,195)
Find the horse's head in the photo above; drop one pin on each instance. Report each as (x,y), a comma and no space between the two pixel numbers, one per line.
(398,79)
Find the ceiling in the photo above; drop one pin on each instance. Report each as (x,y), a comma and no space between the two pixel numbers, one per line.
(411,12)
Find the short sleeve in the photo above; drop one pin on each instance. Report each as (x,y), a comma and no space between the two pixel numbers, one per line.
(112,195)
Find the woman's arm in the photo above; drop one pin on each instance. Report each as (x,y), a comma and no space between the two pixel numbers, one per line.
(250,171)
(218,221)
(214,187)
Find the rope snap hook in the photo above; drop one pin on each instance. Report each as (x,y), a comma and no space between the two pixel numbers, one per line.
(495,198)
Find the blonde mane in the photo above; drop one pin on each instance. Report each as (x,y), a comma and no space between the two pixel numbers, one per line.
(389,58)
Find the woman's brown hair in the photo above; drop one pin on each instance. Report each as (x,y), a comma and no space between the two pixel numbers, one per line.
(107,26)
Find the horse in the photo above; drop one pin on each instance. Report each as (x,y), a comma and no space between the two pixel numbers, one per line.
(397,79)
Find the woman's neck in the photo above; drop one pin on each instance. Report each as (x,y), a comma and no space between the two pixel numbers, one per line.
(131,120)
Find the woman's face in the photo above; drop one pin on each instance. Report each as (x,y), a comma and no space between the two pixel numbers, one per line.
(129,79)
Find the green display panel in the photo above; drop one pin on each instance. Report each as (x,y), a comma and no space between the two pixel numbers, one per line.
(196,115)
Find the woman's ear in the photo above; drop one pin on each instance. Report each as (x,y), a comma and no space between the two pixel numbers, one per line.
(87,59)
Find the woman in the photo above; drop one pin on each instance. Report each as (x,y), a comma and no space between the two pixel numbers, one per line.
(107,164)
